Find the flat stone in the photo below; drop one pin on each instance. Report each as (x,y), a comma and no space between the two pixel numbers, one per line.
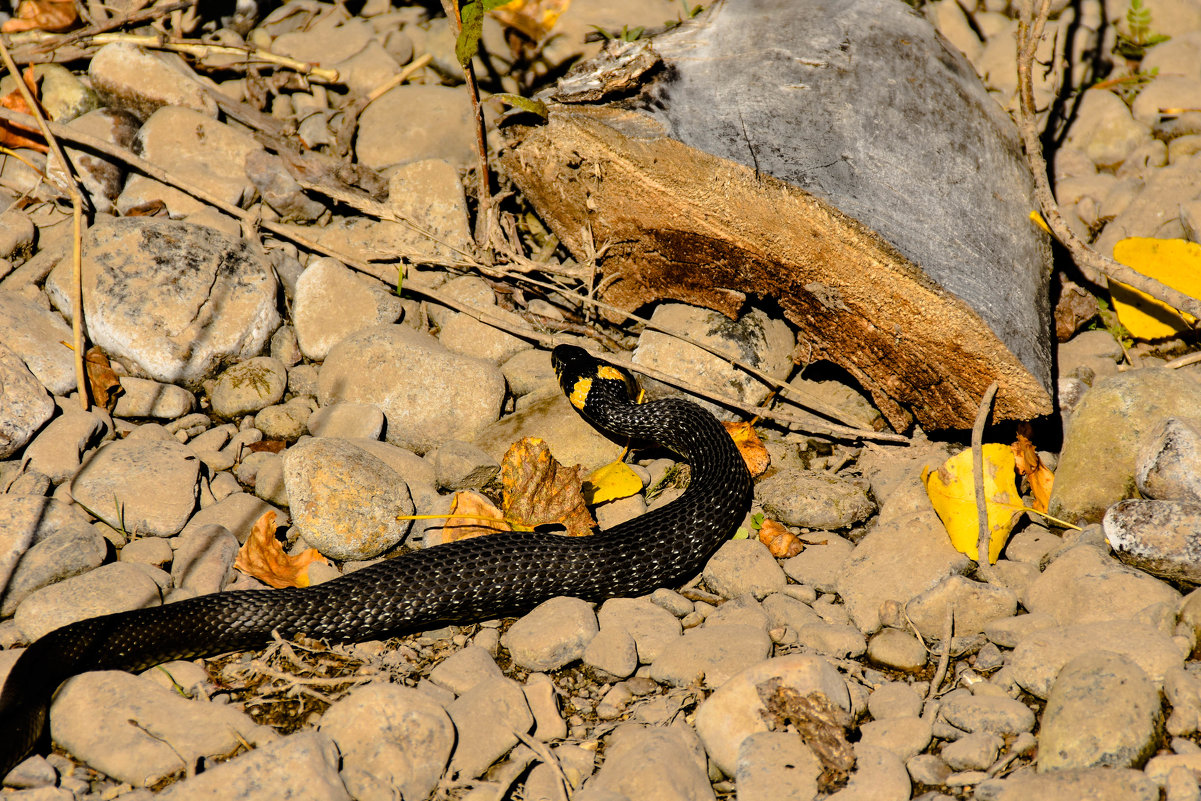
(27,405)
(389,133)
(114,587)
(71,551)
(820,564)
(147,487)
(814,499)
(487,718)
(1002,716)
(464,669)
(652,628)
(553,634)
(143,82)
(647,762)
(1102,711)
(36,335)
(1168,466)
(879,775)
(1085,585)
(332,302)
(743,567)
(776,766)
(708,656)
(975,605)
(1095,784)
(898,650)
(903,737)
(347,421)
(249,386)
(1162,538)
(146,398)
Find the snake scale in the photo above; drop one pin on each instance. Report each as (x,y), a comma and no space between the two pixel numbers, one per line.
(461,582)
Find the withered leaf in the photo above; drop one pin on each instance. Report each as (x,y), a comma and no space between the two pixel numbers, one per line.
(539,490)
(780,541)
(1026,460)
(263,557)
(102,381)
(267,446)
(44,15)
(16,135)
(754,453)
(472,515)
(821,725)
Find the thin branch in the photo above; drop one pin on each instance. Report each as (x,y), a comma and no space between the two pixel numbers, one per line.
(71,187)
(1095,267)
(983,535)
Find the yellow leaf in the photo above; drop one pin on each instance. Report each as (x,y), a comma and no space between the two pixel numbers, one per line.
(753,451)
(1174,263)
(952,492)
(610,482)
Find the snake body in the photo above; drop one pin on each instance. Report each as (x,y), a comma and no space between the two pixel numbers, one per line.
(461,582)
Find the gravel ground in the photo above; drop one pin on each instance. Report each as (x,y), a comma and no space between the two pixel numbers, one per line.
(264,375)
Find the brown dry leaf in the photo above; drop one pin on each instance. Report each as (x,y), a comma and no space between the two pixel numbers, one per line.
(750,446)
(12,134)
(539,490)
(263,557)
(1029,465)
(821,725)
(103,382)
(780,541)
(472,515)
(267,446)
(53,16)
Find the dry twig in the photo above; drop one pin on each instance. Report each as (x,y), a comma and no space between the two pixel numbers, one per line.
(983,535)
(1095,267)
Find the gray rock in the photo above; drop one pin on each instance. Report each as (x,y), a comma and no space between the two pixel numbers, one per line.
(393,739)
(894,700)
(487,718)
(427,393)
(56,451)
(975,604)
(345,501)
(898,650)
(903,737)
(237,513)
(744,610)
(820,564)
(304,765)
(543,698)
(742,567)
(284,421)
(754,339)
(146,487)
(36,335)
(347,421)
(1031,545)
(464,669)
(249,386)
(418,474)
(153,551)
(784,610)
(653,628)
(17,230)
(109,588)
(145,398)
(1102,711)
(1097,464)
(1162,538)
(71,551)
(91,715)
(1084,585)
(26,519)
(672,601)
(1038,658)
(879,775)
(264,472)
(279,190)
(553,634)
(642,762)
(710,655)
(977,751)
(170,299)
(195,148)
(529,372)
(776,766)
(1168,466)
(928,769)
(814,499)
(462,465)
(204,559)
(140,81)
(994,714)
(462,333)
(389,133)
(898,560)
(570,438)
(1104,129)
(613,652)
(27,406)
(1111,784)
(735,711)
(332,302)
(839,640)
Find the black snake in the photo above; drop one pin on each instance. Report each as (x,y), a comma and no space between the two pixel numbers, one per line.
(462,582)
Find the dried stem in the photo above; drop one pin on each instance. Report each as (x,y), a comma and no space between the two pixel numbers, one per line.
(983,535)
(1095,267)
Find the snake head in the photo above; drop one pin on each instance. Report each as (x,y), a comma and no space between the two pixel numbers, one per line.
(581,374)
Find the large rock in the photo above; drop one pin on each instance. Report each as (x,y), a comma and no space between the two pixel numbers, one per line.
(26,407)
(172,300)
(140,486)
(37,335)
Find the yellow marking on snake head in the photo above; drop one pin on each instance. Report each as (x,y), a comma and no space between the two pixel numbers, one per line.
(605,371)
(579,392)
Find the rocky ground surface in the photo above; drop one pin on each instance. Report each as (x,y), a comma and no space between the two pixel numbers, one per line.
(259,377)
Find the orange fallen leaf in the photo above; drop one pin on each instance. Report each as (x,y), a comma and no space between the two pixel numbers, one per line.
(780,541)
(472,515)
(267,446)
(103,382)
(1028,464)
(53,16)
(534,18)
(538,490)
(750,446)
(263,557)
(14,134)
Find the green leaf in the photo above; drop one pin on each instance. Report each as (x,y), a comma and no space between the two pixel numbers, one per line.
(468,43)
(524,103)
(741,534)
(489,5)
(757,520)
